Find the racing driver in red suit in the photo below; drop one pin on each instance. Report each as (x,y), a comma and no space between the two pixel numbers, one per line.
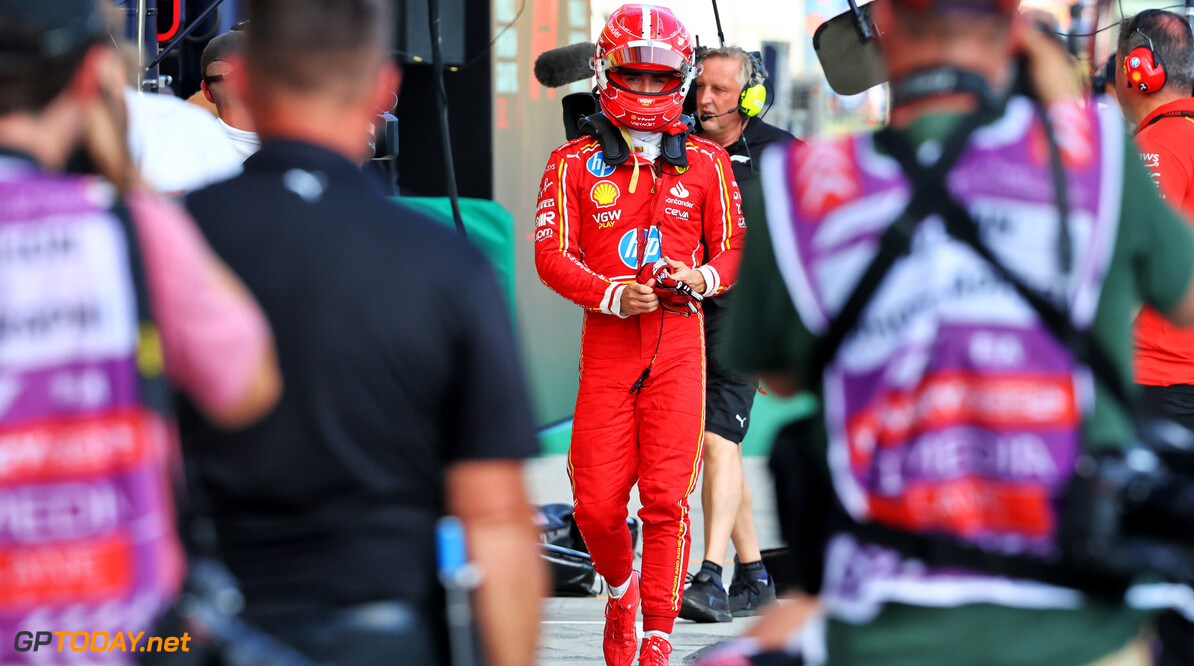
(637,189)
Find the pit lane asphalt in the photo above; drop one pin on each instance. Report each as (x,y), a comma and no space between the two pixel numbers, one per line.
(570,631)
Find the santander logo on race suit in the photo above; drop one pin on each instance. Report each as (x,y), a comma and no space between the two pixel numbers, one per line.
(680,196)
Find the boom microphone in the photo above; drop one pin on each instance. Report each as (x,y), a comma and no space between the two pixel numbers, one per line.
(707,116)
(564,65)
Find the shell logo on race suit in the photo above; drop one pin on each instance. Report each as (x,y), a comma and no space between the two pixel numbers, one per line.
(605,194)
(628,248)
(597,166)
(825,176)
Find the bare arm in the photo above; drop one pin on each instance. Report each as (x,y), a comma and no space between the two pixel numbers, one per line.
(780,383)
(216,341)
(1050,67)
(262,393)
(1182,313)
(775,628)
(489,498)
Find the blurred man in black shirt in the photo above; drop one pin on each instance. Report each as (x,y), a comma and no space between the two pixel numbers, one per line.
(404,399)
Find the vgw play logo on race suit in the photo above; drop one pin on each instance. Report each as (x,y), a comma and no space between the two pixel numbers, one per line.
(628,248)
(597,166)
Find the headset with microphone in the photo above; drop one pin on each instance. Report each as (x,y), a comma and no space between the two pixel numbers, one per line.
(710,116)
(754,99)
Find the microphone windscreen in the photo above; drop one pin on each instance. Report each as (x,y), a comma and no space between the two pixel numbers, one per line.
(564,65)
(850,64)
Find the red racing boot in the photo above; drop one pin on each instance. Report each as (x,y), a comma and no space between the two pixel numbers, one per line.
(656,650)
(621,630)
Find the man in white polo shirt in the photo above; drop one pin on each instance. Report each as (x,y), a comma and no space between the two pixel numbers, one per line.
(219,60)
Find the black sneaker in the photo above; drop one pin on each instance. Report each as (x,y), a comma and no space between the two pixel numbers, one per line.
(747,592)
(705,600)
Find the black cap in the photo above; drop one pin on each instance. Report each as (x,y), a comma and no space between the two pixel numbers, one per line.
(220,47)
(49,28)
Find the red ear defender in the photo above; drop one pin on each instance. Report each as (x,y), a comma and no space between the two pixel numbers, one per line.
(1143,70)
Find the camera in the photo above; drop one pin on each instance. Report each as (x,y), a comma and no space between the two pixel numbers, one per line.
(385,136)
(1103,76)
(1129,512)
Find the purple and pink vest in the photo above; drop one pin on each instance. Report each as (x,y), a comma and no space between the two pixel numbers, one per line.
(949,408)
(87,533)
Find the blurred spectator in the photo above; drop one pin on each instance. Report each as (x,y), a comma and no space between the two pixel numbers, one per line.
(1159,50)
(222,56)
(404,399)
(727,75)
(920,281)
(108,294)
(176,146)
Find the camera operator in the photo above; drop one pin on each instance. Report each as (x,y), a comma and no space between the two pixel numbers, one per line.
(1155,77)
(729,84)
(953,407)
(109,293)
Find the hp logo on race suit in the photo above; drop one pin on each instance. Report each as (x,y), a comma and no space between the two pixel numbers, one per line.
(629,251)
(597,166)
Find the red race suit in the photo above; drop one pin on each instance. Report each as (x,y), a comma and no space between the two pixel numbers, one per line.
(592,235)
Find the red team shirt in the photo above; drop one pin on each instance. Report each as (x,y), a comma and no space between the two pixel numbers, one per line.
(1164,352)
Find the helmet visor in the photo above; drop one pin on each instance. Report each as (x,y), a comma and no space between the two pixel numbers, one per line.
(646,81)
(641,56)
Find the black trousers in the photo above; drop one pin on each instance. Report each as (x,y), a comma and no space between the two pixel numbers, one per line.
(1175,633)
(385,632)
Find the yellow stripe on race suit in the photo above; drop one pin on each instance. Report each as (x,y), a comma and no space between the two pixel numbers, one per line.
(572,468)
(678,585)
(561,205)
(725,202)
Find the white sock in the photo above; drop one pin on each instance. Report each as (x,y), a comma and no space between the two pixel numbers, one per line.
(659,634)
(617,591)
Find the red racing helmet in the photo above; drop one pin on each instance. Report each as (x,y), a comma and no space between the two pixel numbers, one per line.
(643,40)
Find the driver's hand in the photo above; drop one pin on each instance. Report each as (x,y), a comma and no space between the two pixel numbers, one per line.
(639,298)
